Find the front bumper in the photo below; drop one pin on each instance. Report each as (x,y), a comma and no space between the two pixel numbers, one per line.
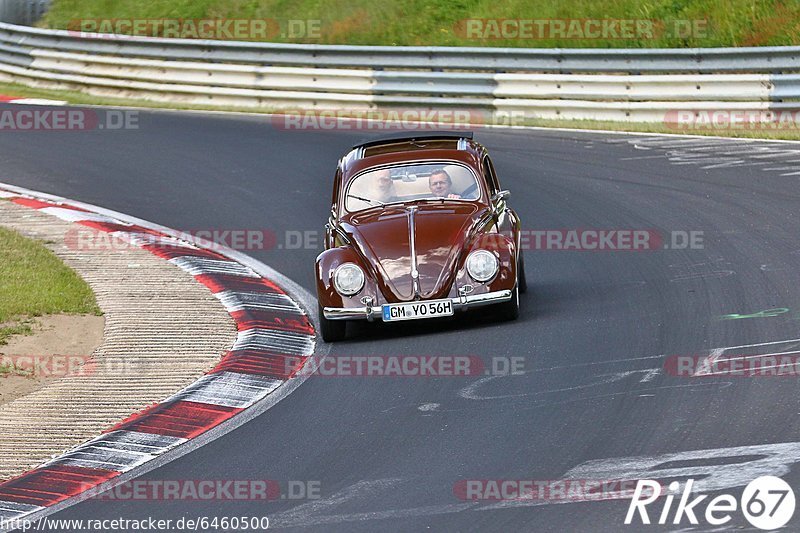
(460,303)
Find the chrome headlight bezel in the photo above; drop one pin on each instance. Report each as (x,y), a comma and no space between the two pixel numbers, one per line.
(352,289)
(482,255)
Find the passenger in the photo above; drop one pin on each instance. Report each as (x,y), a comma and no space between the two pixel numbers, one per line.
(441,184)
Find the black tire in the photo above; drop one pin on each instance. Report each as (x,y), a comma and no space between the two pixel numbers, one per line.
(510,310)
(332,330)
(522,281)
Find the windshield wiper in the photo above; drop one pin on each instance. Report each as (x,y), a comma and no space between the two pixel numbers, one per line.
(369,201)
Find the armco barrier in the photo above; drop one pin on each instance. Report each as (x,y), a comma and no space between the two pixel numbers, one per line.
(602,84)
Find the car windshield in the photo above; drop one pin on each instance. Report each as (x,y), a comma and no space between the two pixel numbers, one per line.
(407,183)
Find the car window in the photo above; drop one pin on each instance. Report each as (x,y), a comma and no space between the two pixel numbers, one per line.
(491,177)
(412,182)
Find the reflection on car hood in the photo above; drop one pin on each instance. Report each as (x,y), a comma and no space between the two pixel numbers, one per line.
(383,237)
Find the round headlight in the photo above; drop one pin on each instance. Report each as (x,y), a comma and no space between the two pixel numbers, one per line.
(482,265)
(348,278)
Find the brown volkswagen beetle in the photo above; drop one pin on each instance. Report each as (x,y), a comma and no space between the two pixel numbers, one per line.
(419,228)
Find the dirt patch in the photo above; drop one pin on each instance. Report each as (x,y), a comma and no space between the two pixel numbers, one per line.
(60,345)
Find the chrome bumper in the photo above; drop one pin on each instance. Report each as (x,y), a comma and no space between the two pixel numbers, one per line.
(460,303)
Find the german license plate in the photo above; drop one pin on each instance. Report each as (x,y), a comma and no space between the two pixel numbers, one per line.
(413,310)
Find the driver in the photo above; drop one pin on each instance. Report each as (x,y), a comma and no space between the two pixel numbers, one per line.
(384,187)
(441,184)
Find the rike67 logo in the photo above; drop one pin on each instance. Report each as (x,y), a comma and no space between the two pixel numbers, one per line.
(767,503)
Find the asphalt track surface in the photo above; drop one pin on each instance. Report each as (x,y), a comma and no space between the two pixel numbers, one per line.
(387,452)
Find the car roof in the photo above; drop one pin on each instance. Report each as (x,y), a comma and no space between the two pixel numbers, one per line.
(414,146)
(413,136)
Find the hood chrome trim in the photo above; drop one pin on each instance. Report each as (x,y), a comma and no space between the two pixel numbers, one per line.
(412,237)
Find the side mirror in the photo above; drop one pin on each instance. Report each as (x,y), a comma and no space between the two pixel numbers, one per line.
(501,195)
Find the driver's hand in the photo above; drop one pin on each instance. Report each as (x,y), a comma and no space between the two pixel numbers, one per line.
(456,196)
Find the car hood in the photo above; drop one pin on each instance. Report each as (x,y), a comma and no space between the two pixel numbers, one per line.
(441,232)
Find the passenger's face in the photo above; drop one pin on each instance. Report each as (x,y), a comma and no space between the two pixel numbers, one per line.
(439,184)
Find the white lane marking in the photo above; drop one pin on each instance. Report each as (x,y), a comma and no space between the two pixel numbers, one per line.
(651,373)
(756,356)
(470,391)
(659,156)
(429,407)
(770,343)
(749,357)
(659,356)
(703,275)
(771,459)
(594,363)
(737,163)
(705,366)
(759,460)
(661,142)
(780,153)
(792,167)
(313,512)
(429,510)
(710,154)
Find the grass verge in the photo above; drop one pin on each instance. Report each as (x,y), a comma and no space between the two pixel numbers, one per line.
(442,22)
(35,282)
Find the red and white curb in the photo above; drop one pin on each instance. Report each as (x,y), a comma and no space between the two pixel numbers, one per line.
(29,101)
(275,339)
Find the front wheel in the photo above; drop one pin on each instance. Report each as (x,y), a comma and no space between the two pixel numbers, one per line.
(510,310)
(332,330)
(522,281)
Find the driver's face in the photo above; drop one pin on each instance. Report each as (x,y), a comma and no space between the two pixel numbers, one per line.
(439,184)
(384,180)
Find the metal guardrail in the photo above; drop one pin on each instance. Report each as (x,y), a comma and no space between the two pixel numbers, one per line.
(602,84)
